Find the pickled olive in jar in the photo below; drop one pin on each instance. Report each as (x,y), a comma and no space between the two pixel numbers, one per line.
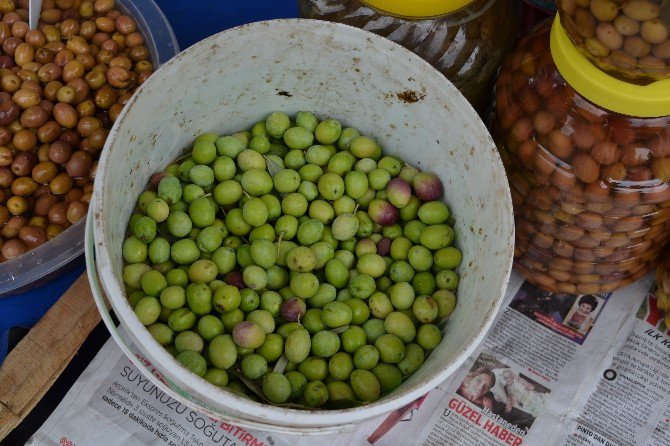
(629,39)
(589,185)
(467,45)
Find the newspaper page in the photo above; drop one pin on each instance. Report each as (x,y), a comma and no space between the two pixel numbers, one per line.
(555,369)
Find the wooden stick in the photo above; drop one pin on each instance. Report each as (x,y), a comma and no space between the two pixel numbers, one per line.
(31,368)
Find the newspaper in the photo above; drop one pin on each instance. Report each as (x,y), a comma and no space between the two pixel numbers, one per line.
(555,369)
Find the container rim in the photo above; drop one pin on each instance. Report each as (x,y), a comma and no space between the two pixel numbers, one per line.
(299,419)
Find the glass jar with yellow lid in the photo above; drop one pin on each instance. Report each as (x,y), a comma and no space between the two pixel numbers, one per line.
(627,38)
(588,160)
(464,39)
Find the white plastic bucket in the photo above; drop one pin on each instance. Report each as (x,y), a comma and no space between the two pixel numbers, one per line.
(235,78)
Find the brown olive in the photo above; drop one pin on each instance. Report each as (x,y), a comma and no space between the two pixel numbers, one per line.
(86,59)
(85,109)
(86,9)
(20,28)
(11,17)
(120,41)
(37,221)
(61,184)
(115,111)
(121,61)
(44,203)
(79,164)
(104,56)
(49,72)
(143,66)
(87,29)
(6,177)
(51,90)
(10,44)
(118,77)
(99,38)
(97,138)
(51,16)
(54,229)
(34,117)
(71,137)
(10,83)
(105,97)
(13,248)
(103,6)
(31,84)
(24,140)
(63,57)
(73,195)
(126,24)
(6,156)
(13,225)
(95,79)
(77,45)
(49,132)
(65,115)
(35,38)
(24,186)
(32,236)
(76,211)
(69,28)
(17,205)
(58,213)
(134,39)
(44,172)
(82,89)
(66,94)
(51,34)
(26,98)
(44,56)
(60,151)
(73,70)
(23,163)
(139,53)
(87,125)
(9,112)
(105,24)
(14,127)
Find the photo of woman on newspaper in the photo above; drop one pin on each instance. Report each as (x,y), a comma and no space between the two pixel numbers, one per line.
(510,395)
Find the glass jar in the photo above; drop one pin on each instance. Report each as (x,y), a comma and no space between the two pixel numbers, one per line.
(590,183)
(627,38)
(466,40)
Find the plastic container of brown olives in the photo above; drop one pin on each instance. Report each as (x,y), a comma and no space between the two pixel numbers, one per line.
(627,38)
(588,160)
(56,256)
(466,40)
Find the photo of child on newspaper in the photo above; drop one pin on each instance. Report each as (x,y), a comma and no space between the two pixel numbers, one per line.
(514,397)
(569,315)
(583,313)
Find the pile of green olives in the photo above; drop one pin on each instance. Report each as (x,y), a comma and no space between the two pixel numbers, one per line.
(294,263)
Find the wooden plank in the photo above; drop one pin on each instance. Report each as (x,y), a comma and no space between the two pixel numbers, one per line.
(38,360)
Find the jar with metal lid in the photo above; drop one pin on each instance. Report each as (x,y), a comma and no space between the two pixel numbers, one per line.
(627,38)
(588,160)
(466,40)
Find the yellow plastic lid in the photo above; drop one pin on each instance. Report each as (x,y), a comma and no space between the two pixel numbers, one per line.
(644,101)
(417,9)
